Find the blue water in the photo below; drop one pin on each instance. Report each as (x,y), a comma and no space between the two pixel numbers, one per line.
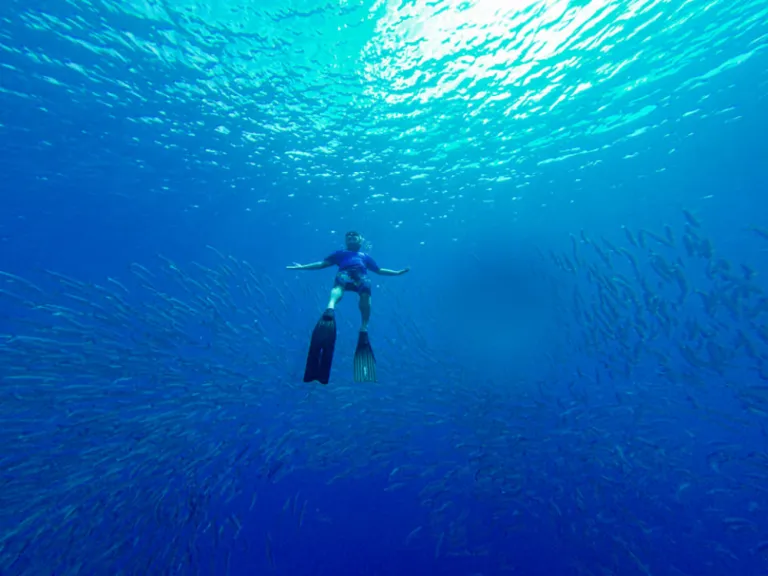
(564,385)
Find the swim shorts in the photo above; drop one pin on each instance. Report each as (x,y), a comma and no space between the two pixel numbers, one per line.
(353,281)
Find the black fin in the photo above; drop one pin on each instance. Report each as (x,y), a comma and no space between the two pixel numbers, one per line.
(321,348)
(365,362)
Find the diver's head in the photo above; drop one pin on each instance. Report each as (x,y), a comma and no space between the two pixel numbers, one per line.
(354,241)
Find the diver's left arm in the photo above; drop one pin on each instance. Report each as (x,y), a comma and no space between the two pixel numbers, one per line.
(388,272)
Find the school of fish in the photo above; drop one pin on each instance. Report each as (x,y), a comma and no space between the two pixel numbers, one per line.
(145,418)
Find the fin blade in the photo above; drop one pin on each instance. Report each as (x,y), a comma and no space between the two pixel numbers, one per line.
(321,348)
(365,361)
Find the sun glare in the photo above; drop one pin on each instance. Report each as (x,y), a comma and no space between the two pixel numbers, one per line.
(463,42)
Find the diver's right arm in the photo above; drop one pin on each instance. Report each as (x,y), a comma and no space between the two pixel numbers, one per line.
(314,266)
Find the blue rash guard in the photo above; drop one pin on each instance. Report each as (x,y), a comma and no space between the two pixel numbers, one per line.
(353,270)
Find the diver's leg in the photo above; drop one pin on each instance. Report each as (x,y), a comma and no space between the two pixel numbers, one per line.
(365,310)
(336,295)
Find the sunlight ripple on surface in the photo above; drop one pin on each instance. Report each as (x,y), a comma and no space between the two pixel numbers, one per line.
(382,99)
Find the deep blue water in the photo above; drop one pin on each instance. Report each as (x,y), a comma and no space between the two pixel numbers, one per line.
(572,378)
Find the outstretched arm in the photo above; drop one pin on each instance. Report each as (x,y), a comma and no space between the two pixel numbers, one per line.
(314,266)
(388,272)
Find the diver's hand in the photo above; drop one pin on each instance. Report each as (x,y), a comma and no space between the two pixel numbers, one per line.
(403,271)
(295,266)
